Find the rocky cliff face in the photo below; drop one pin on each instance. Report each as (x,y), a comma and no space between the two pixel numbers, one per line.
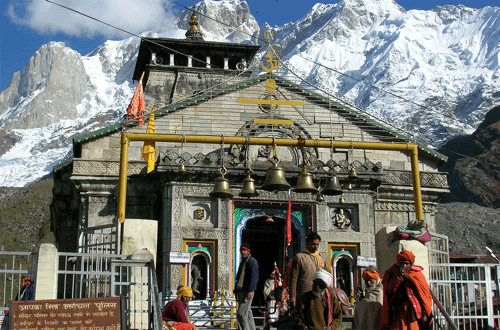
(469,227)
(46,90)
(473,164)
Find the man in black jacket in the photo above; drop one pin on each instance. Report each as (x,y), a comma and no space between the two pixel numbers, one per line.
(246,284)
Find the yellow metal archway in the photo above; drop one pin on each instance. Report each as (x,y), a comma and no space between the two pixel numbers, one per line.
(126,138)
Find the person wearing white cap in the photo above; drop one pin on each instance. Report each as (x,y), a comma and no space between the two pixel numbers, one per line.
(318,308)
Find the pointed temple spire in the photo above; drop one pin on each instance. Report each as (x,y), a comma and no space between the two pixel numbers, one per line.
(194,33)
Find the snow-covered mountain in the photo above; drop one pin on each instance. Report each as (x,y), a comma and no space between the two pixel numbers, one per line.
(432,72)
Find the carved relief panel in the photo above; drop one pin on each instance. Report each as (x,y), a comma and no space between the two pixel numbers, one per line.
(343,217)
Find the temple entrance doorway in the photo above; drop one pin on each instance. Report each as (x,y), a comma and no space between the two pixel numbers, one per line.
(266,236)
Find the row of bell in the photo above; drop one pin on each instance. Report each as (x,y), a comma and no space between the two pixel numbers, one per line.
(276,181)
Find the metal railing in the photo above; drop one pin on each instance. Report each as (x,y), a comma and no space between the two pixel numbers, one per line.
(99,239)
(215,312)
(13,266)
(442,319)
(136,281)
(92,275)
(85,275)
(469,296)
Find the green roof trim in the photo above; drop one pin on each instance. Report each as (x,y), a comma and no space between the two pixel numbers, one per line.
(64,164)
(312,96)
(335,254)
(192,249)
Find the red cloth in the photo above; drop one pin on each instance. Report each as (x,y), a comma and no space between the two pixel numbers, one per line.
(183,326)
(174,311)
(416,297)
(407,255)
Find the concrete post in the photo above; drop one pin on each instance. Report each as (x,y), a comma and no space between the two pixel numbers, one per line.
(139,290)
(140,234)
(387,251)
(46,286)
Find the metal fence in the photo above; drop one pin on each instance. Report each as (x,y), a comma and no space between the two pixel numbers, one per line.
(216,312)
(99,239)
(85,275)
(471,295)
(91,275)
(13,266)
(439,273)
(468,293)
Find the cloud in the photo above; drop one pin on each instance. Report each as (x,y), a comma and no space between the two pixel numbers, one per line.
(131,15)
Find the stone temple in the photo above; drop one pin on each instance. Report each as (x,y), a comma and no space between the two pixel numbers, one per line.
(202,88)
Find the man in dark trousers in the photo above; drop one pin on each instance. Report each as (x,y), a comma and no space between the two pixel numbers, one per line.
(246,284)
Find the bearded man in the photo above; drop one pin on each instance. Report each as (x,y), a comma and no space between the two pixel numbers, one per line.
(318,308)
(303,267)
(369,308)
(407,297)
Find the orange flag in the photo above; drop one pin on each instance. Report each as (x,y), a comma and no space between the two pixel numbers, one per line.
(148,150)
(137,106)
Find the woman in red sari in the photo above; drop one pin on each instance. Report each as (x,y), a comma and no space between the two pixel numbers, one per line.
(407,297)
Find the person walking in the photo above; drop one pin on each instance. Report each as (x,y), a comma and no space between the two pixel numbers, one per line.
(407,297)
(319,308)
(304,265)
(247,278)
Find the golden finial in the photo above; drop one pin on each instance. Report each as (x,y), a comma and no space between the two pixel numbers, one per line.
(194,33)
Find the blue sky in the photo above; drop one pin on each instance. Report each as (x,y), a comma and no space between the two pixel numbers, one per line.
(25,25)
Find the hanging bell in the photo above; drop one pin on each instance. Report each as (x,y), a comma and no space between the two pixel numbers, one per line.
(305,183)
(332,186)
(353,176)
(181,169)
(349,185)
(341,200)
(319,196)
(248,188)
(221,187)
(275,179)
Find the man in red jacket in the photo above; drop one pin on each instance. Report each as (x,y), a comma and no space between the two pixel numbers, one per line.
(407,297)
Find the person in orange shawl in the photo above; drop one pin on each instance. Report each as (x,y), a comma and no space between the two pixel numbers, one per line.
(407,297)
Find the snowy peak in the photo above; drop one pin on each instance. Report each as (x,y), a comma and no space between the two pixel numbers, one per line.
(435,73)
(448,14)
(46,89)
(219,20)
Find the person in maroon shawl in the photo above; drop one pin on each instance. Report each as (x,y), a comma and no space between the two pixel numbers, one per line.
(175,314)
(407,297)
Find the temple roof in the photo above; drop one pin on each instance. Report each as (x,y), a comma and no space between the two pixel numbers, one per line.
(310,95)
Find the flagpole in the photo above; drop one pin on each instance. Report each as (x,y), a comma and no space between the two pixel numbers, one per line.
(288,224)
